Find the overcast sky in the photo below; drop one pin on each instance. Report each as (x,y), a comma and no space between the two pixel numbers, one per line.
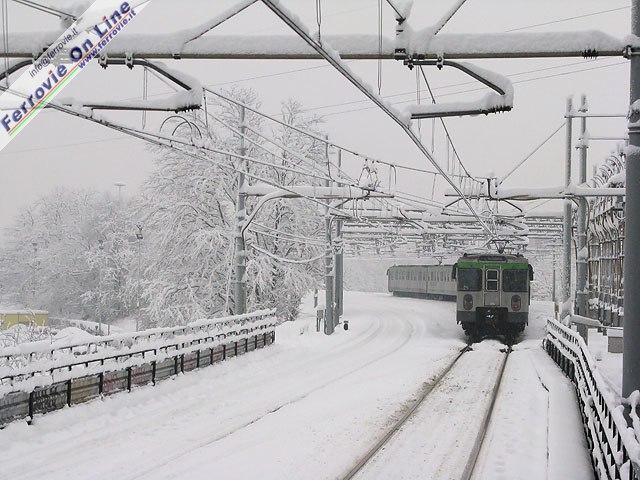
(57,150)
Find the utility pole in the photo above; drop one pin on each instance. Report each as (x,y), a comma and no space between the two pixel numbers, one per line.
(566,227)
(239,257)
(581,237)
(339,261)
(329,325)
(631,352)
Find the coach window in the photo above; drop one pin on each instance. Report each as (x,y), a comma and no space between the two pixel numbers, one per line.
(492,280)
(514,280)
(469,279)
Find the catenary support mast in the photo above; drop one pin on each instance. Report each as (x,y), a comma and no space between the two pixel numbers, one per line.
(566,228)
(239,260)
(329,324)
(631,357)
(581,237)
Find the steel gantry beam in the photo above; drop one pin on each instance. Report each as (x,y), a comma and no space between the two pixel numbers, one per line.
(351,47)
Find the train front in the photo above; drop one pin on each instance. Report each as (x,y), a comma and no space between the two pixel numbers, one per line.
(493,293)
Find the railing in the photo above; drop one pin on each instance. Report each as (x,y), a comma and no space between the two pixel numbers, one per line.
(34,390)
(610,437)
(27,353)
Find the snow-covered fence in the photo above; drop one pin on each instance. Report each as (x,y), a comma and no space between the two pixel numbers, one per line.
(613,443)
(63,351)
(36,389)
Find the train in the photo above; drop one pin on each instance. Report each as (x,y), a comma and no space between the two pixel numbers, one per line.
(492,291)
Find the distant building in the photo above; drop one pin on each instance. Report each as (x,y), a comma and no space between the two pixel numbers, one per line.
(9,318)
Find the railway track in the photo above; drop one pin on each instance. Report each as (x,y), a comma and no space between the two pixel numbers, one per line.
(358,469)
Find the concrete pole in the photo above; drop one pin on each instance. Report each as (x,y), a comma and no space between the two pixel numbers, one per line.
(339,271)
(239,259)
(581,237)
(631,353)
(554,294)
(339,261)
(566,227)
(329,325)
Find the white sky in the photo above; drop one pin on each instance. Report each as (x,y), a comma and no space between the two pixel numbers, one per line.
(59,150)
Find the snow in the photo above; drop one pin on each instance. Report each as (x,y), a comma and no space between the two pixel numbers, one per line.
(609,364)
(306,407)
(536,430)
(448,45)
(72,335)
(489,103)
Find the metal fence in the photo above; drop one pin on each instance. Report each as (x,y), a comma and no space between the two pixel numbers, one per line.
(606,233)
(26,354)
(38,392)
(609,435)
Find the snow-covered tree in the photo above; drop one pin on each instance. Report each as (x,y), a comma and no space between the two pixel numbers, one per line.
(70,252)
(191,204)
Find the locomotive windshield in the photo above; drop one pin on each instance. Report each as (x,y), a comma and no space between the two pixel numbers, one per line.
(515,280)
(469,279)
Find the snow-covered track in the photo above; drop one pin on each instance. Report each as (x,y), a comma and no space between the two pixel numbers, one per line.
(363,468)
(482,433)
(410,411)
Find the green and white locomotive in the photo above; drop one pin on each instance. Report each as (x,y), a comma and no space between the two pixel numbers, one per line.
(493,293)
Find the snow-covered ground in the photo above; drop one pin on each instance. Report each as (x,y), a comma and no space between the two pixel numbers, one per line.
(609,364)
(310,406)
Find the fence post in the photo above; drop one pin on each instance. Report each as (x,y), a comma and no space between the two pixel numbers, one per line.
(129,379)
(31,394)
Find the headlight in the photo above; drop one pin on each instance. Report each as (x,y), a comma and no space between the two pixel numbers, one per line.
(467,302)
(516,303)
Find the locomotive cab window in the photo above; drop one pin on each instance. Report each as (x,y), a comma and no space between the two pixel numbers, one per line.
(492,280)
(515,280)
(469,279)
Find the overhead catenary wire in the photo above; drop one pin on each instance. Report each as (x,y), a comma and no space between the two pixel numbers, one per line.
(444,125)
(447,16)
(46,9)
(538,147)
(527,80)
(316,136)
(525,27)
(170,142)
(566,19)
(452,85)
(262,147)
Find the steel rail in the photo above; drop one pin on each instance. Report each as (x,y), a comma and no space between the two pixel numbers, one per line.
(477,446)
